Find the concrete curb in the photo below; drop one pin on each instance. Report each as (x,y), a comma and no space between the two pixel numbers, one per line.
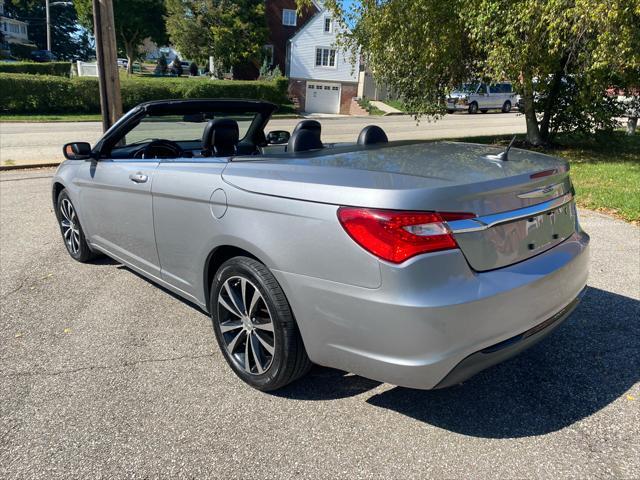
(28,167)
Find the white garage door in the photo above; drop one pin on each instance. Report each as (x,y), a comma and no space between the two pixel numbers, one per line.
(322,98)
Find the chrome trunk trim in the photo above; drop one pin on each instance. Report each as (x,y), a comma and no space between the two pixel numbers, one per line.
(488,221)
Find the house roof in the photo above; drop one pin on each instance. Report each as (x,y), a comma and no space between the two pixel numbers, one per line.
(319,4)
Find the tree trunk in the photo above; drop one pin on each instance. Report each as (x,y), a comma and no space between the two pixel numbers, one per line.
(131,55)
(533,129)
(130,48)
(632,124)
(550,104)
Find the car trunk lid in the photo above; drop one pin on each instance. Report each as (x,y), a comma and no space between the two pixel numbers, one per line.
(435,176)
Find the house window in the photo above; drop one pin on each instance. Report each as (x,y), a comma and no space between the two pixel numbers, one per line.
(289,17)
(325,57)
(268,54)
(328,25)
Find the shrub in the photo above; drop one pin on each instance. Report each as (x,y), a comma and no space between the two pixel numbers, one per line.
(161,66)
(23,93)
(45,94)
(62,69)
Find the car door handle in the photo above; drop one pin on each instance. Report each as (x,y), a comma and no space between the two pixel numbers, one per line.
(138,177)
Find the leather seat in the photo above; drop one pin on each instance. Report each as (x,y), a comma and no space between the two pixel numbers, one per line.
(371,135)
(303,140)
(312,125)
(305,136)
(220,137)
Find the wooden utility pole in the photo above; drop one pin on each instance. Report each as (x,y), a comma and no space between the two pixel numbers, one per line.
(107,57)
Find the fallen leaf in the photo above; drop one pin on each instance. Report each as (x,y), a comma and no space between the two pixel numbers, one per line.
(67,330)
(630,397)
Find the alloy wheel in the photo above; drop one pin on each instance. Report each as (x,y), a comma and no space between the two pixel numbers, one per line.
(246,325)
(70,227)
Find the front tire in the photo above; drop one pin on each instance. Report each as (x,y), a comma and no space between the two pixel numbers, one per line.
(473,107)
(506,108)
(72,233)
(254,325)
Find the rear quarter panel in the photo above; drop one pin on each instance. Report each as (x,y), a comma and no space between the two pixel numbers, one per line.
(288,235)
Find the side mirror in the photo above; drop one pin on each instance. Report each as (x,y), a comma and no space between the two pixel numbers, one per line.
(278,137)
(77,151)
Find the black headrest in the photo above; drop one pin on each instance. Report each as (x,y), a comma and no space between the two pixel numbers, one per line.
(220,137)
(312,125)
(372,134)
(303,140)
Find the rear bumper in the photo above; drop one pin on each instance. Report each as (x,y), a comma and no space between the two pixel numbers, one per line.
(487,357)
(433,312)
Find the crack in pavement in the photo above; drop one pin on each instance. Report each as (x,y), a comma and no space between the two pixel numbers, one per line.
(24,284)
(105,367)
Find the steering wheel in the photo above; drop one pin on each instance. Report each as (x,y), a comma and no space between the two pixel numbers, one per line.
(162,149)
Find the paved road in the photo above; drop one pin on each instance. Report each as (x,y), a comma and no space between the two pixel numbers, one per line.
(104,374)
(33,143)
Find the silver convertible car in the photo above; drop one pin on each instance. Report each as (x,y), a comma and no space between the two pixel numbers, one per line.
(413,263)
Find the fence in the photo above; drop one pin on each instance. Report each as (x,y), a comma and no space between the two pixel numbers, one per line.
(86,69)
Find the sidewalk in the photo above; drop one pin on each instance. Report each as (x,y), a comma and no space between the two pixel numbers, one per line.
(387,109)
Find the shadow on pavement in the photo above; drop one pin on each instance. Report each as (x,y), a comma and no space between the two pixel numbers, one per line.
(586,364)
(579,369)
(165,290)
(323,383)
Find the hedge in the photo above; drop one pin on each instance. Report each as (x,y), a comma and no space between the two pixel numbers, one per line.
(62,69)
(46,94)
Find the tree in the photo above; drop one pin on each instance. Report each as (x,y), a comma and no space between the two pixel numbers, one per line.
(176,67)
(69,39)
(232,31)
(423,48)
(135,21)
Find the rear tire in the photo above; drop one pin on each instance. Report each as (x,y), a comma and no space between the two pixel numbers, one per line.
(450,111)
(473,107)
(484,110)
(506,108)
(254,325)
(72,232)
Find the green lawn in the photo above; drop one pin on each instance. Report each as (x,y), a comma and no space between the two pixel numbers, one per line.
(64,117)
(605,171)
(396,104)
(285,111)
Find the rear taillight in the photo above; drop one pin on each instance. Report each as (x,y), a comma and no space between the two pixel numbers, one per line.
(395,235)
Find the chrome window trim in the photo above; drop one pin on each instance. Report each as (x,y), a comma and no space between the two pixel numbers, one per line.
(488,221)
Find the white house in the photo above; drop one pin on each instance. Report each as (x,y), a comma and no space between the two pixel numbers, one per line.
(321,76)
(15,31)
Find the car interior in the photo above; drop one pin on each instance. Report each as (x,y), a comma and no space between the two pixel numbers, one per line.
(221,138)
(217,128)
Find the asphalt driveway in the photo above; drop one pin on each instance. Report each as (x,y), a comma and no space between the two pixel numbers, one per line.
(106,375)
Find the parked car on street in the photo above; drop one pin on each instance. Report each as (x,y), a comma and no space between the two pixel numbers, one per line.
(479,96)
(123,62)
(43,56)
(413,263)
